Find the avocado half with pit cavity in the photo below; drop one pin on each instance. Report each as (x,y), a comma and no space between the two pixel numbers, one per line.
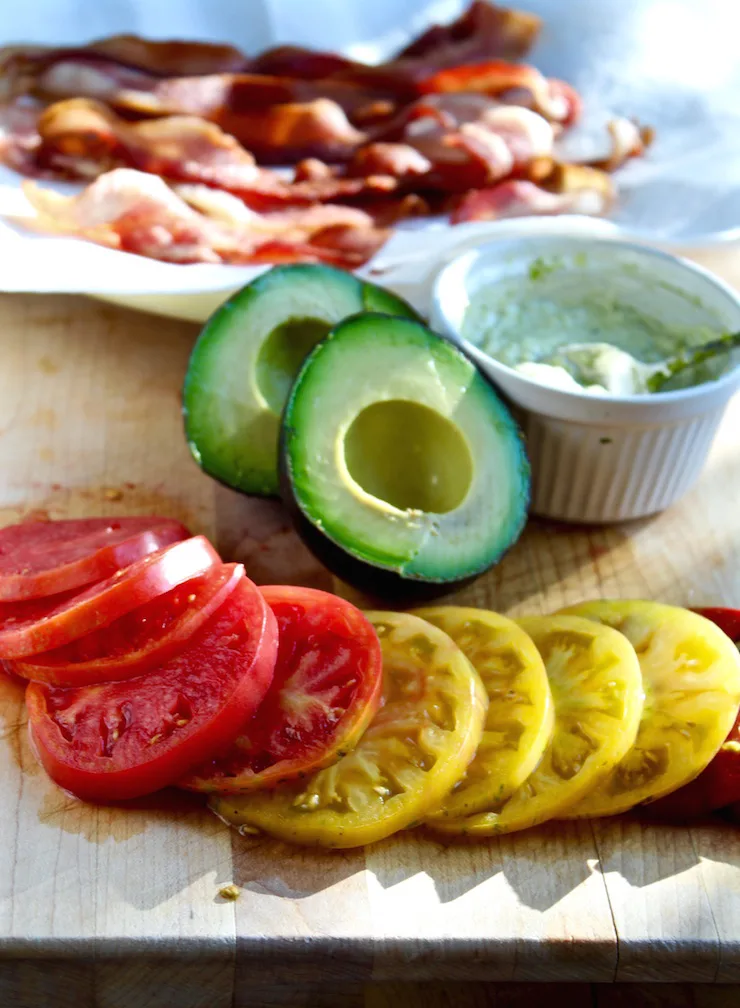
(246,357)
(404,472)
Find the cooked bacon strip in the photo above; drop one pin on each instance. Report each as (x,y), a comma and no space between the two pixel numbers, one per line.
(515,83)
(472,141)
(171,57)
(137,212)
(82,138)
(88,75)
(180,147)
(520,198)
(237,102)
(278,123)
(628,140)
(218,95)
(19,136)
(284,133)
(483,31)
(588,186)
(314,170)
(451,111)
(397,160)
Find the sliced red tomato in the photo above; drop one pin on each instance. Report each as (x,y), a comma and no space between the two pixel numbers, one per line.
(719,784)
(45,558)
(37,625)
(141,639)
(327,687)
(121,740)
(726,619)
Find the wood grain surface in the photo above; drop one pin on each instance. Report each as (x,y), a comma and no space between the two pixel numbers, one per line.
(120,907)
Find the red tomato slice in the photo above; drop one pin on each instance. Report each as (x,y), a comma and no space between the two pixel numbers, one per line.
(45,558)
(36,625)
(121,740)
(141,639)
(327,687)
(726,619)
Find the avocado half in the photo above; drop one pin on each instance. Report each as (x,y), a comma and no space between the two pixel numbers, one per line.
(243,364)
(404,472)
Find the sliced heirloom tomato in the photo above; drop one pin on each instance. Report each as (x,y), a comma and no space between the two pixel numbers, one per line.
(691,672)
(326,689)
(45,558)
(417,745)
(716,787)
(121,740)
(719,784)
(520,717)
(36,625)
(597,688)
(141,639)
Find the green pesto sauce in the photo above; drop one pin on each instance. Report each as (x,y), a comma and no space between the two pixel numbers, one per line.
(529,318)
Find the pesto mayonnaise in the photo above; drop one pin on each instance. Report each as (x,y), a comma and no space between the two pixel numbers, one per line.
(537,324)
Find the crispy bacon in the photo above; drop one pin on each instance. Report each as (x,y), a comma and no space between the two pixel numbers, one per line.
(175,133)
(483,31)
(218,95)
(19,136)
(136,212)
(515,83)
(628,139)
(592,190)
(314,170)
(279,121)
(285,133)
(472,141)
(590,194)
(397,160)
(171,57)
(82,138)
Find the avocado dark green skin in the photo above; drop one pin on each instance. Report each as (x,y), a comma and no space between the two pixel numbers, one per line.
(377,582)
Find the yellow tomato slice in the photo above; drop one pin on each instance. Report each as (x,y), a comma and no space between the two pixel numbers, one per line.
(597,689)
(415,749)
(691,671)
(520,715)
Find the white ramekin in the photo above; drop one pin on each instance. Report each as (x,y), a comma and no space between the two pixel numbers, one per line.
(600,458)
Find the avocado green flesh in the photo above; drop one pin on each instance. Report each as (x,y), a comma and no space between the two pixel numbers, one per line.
(400,453)
(246,357)
(281,355)
(408,455)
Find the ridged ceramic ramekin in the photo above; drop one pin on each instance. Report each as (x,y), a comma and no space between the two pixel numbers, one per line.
(603,458)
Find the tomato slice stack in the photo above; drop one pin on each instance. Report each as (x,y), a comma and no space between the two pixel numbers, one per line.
(146,653)
(141,639)
(123,739)
(151,662)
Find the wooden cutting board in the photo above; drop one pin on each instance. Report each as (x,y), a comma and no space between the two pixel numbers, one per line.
(115,907)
